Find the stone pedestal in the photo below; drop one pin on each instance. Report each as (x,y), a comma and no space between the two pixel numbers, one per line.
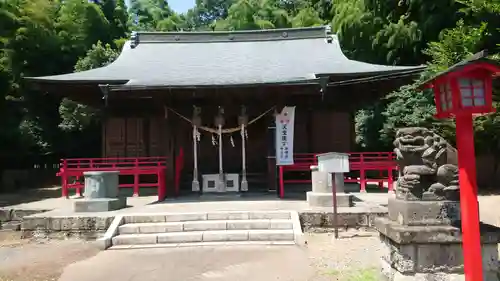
(100,193)
(321,194)
(422,240)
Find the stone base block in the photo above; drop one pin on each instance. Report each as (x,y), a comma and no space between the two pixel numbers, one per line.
(352,187)
(424,212)
(99,204)
(317,199)
(391,274)
(432,252)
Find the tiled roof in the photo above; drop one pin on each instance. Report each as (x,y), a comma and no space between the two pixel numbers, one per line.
(182,59)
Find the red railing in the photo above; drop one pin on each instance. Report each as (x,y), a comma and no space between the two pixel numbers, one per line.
(74,169)
(361,162)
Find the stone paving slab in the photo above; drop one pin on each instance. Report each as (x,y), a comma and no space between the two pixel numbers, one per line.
(147,204)
(256,262)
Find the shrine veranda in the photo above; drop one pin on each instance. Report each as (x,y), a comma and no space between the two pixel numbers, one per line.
(194,97)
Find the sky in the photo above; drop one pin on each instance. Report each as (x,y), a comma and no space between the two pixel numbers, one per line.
(180,6)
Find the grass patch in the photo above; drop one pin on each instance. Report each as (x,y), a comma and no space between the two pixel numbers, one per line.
(370,274)
(331,272)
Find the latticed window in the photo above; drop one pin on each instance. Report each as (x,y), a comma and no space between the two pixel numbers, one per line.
(446,97)
(472,92)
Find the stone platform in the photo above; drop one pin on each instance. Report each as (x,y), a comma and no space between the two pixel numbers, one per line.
(432,252)
(100,204)
(422,240)
(321,199)
(63,221)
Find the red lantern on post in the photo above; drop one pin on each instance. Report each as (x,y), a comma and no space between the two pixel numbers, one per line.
(462,91)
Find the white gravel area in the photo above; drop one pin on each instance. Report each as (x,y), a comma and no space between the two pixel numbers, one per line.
(353,254)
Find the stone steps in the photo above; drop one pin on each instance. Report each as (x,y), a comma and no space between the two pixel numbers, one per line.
(212,228)
(208,225)
(204,236)
(205,244)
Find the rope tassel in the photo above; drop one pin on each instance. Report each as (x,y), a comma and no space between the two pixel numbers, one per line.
(214,140)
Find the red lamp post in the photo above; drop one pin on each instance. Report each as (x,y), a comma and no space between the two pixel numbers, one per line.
(464,90)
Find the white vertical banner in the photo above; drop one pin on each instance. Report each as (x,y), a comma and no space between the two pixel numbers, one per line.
(284,136)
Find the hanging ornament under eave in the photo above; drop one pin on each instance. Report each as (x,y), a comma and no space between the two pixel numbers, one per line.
(198,135)
(243,122)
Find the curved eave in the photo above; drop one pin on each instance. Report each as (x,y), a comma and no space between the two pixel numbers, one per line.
(382,71)
(377,77)
(139,87)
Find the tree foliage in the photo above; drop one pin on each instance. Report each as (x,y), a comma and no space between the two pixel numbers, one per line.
(76,116)
(411,107)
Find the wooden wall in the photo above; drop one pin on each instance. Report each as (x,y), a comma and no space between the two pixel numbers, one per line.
(315,132)
(132,137)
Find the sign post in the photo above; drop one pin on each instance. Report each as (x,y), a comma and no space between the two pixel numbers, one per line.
(334,163)
(284,139)
(284,136)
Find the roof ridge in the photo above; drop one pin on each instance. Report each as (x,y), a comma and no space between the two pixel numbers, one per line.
(231,36)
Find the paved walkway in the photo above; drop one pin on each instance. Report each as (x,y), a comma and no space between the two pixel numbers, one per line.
(322,259)
(242,263)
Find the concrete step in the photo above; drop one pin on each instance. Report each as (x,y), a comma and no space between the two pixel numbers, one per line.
(232,215)
(203,244)
(204,236)
(206,225)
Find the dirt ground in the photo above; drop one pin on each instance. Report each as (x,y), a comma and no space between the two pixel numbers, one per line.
(347,259)
(39,260)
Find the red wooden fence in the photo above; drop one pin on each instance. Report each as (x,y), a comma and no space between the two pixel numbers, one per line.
(137,166)
(361,162)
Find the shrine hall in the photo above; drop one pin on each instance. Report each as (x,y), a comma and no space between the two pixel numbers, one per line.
(203,105)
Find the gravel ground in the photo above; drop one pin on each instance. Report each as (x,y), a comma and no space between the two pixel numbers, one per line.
(39,260)
(354,254)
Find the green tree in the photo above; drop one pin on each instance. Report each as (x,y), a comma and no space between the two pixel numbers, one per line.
(307,17)
(76,116)
(254,14)
(116,14)
(391,32)
(206,12)
(82,24)
(154,15)
(411,107)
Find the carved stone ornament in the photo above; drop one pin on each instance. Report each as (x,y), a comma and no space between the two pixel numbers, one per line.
(427,166)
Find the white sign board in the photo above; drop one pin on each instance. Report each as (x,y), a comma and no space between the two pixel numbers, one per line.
(333,162)
(284,136)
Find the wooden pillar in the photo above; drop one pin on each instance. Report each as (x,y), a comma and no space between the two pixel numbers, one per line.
(271,155)
(170,144)
(104,124)
(309,129)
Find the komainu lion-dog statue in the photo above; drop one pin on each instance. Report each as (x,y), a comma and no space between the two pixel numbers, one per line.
(427,166)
